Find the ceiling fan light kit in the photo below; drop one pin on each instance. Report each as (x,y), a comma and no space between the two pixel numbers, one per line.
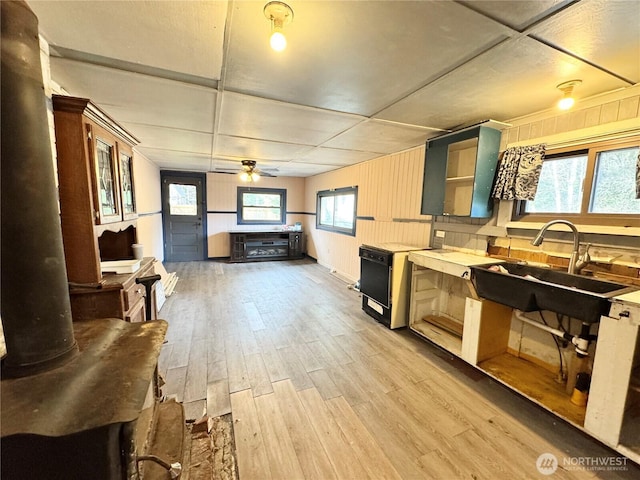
(279,14)
(248,173)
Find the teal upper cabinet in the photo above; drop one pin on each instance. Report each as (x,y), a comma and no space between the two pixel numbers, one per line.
(459,170)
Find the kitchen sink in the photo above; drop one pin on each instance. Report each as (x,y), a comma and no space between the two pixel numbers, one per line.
(529,288)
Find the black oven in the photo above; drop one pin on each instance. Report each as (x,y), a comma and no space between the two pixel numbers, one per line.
(375,282)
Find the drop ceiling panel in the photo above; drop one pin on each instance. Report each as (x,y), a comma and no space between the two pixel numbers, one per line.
(171,139)
(382,137)
(334,156)
(256,149)
(253,117)
(135,98)
(604,32)
(517,14)
(295,169)
(516,78)
(353,56)
(178,36)
(176,160)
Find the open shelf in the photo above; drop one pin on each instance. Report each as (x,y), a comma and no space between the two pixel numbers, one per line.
(439,336)
(536,383)
(466,178)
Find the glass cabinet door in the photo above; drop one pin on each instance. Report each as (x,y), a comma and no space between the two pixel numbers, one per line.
(107,182)
(126,186)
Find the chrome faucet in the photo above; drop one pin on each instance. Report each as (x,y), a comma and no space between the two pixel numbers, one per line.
(575,264)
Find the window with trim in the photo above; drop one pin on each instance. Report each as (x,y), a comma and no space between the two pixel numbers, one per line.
(262,206)
(336,210)
(592,184)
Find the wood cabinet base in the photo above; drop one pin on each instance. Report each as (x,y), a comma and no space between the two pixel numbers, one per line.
(119,297)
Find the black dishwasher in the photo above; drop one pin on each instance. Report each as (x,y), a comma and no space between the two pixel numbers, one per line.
(375,282)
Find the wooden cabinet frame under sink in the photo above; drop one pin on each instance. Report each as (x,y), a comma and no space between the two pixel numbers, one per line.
(445,310)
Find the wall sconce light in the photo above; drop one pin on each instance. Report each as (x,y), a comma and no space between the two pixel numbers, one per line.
(567,100)
(279,14)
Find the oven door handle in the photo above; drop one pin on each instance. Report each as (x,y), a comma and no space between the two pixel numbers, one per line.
(375,260)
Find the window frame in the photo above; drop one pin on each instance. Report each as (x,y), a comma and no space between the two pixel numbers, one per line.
(584,217)
(277,191)
(334,192)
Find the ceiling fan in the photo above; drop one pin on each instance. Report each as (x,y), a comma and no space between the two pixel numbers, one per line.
(248,171)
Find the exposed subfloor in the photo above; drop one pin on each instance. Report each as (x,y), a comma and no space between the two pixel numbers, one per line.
(318,390)
(210,454)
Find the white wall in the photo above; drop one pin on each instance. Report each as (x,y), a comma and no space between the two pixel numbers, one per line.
(389,192)
(222,197)
(146,176)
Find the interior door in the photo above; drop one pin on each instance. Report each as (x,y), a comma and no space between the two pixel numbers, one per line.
(183,216)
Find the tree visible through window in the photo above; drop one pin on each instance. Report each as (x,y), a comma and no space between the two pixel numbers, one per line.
(560,185)
(594,185)
(614,186)
(336,210)
(261,206)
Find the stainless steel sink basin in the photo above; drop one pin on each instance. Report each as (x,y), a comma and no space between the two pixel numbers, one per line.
(530,288)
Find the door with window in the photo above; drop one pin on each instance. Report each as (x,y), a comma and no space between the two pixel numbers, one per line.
(183,216)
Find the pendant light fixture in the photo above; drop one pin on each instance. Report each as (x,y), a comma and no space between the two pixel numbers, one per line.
(567,100)
(279,14)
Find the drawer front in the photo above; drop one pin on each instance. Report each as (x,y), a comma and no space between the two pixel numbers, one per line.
(133,295)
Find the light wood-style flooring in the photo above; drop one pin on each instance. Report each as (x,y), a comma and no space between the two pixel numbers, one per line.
(319,390)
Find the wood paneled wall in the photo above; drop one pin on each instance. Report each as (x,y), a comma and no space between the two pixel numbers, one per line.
(222,198)
(146,175)
(389,199)
(610,114)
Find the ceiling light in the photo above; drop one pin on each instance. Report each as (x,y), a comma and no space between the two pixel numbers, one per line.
(279,14)
(567,100)
(248,173)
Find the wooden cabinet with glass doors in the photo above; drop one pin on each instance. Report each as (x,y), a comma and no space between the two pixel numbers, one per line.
(96,187)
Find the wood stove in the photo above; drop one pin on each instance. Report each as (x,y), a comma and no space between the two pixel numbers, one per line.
(77,399)
(81,420)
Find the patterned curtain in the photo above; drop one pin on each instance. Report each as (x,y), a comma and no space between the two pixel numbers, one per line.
(519,173)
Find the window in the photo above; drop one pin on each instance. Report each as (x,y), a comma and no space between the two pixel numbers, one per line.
(592,185)
(262,206)
(183,199)
(336,210)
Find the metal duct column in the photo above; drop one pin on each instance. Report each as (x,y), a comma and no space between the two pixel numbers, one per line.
(36,310)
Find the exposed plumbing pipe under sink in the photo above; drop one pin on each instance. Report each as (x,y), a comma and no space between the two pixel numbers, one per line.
(581,341)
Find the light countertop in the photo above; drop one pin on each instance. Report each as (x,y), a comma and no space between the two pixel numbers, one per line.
(394,247)
(631,297)
(450,262)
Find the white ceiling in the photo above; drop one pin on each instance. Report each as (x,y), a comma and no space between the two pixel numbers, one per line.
(198,85)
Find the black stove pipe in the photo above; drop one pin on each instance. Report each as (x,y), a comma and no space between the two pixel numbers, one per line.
(36,310)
